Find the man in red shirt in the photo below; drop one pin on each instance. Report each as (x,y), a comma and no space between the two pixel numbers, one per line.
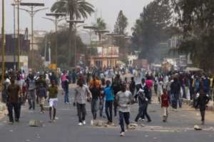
(165,104)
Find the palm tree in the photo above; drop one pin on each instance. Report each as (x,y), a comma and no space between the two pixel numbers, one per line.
(101,26)
(76,9)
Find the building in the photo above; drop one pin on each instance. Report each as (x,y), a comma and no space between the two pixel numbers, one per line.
(107,56)
(11,51)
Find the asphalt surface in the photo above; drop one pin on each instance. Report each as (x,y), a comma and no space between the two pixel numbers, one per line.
(178,128)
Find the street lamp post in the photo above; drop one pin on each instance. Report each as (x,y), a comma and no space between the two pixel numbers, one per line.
(56,21)
(14,34)
(91,28)
(32,13)
(18,37)
(75,46)
(3,42)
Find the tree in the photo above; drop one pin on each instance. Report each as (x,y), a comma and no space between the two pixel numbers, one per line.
(151,29)
(62,46)
(121,24)
(100,25)
(120,29)
(76,9)
(195,19)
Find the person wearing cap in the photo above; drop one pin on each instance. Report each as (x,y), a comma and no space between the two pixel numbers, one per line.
(123,99)
(143,105)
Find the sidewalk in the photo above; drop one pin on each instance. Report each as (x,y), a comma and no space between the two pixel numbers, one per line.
(3,110)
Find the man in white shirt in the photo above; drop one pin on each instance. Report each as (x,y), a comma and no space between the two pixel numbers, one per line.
(124,99)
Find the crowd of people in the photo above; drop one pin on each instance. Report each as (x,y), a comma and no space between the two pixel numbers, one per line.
(108,97)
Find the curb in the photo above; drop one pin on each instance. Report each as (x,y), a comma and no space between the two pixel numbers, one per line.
(3,110)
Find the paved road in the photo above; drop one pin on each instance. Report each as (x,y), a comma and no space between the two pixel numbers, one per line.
(65,129)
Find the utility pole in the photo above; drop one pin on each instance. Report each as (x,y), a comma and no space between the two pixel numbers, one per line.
(3,42)
(32,13)
(56,21)
(91,28)
(14,34)
(75,46)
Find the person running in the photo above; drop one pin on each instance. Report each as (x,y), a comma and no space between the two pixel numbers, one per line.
(165,104)
(13,91)
(31,94)
(123,99)
(41,92)
(109,98)
(201,103)
(52,99)
(143,105)
(82,95)
(42,95)
(65,87)
(95,89)
(116,86)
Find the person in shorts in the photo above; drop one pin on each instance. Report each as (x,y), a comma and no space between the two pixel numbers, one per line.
(52,99)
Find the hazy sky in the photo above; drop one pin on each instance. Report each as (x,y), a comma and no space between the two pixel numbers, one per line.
(107,9)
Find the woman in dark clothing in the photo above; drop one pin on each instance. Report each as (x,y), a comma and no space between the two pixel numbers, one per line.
(201,103)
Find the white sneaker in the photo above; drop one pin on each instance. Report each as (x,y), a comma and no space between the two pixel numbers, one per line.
(92,122)
(80,124)
(122,134)
(83,122)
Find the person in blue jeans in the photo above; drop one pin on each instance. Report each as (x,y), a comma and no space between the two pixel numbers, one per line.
(123,99)
(66,90)
(109,98)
